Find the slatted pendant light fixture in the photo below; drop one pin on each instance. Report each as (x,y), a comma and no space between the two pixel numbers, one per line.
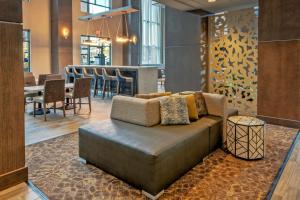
(125,38)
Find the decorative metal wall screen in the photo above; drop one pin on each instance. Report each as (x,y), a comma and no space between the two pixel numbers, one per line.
(233,42)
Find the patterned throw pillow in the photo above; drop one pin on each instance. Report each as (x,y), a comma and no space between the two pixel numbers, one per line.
(174,110)
(200,102)
(191,104)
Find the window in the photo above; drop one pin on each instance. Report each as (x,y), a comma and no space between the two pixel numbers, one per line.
(94,6)
(152,33)
(98,53)
(26,50)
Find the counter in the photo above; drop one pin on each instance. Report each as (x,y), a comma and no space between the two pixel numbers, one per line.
(145,77)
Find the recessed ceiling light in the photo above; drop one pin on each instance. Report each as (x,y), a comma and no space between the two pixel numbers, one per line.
(211,1)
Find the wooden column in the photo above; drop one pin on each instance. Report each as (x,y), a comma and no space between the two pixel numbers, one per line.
(12,144)
(279,62)
(61,47)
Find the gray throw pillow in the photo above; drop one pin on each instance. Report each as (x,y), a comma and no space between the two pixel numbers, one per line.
(174,110)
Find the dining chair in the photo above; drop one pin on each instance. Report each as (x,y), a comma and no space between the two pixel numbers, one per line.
(53,77)
(98,80)
(108,80)
(29,80)
(122,82)
(54,92)
(81,90)
(42,79)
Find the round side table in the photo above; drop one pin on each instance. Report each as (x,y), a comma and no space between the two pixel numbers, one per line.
(245,137)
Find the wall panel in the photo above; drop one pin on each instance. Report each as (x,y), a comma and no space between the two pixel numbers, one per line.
(279,62)
(233,58)
(12,145)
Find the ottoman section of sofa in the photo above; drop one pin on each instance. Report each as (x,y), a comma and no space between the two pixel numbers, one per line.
(149,158)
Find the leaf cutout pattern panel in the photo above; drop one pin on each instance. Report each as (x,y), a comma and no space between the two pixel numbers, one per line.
(233,48)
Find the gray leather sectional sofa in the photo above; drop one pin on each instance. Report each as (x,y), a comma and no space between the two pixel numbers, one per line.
(143,153)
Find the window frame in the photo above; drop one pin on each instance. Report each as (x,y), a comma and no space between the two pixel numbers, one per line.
(162,30)
(88,3)
(89,50)
(28,41)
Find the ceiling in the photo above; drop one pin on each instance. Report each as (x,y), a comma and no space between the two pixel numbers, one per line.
(214,7)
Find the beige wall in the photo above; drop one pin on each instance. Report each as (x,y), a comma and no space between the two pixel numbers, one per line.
(36,17)
(80,28)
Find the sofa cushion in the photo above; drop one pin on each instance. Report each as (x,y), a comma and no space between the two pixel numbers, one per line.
(144,112)
(216,104)
(174,110)
(153,95)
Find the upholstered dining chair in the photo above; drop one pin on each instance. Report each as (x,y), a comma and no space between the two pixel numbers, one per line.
(122,82)
(108,80)
(98,79)
(54,92)
(53,77)
(81,90)
(29,80)
(42,79)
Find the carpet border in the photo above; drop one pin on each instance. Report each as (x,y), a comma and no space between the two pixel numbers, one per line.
(282,167)
(51,138)
(37,190)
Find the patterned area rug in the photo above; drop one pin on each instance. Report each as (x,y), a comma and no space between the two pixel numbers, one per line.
(54,168)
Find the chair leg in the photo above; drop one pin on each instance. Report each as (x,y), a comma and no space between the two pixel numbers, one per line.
(79,103)
(74,105)
(95,87)
(64,108)
(34,107)
(103,88)
(118,87)
(90,106)
(54,107)
(45,111)
(132,92)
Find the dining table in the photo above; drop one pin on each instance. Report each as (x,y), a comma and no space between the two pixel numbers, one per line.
(39,89)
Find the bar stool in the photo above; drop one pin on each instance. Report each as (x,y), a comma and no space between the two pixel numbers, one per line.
(69,74)
(122,82)
(88,73)
(107,78)
(77,72)
(98,78)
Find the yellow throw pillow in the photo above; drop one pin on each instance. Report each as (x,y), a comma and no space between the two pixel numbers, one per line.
(192,107)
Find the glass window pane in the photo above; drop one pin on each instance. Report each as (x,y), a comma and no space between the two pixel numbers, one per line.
(83,7)
(97,54)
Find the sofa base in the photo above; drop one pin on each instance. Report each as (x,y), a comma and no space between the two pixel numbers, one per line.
(152,197)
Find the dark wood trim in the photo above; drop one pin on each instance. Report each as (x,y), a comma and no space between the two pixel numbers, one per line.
(13,178)
(280,121)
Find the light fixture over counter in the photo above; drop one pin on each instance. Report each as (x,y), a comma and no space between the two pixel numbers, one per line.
(109,14)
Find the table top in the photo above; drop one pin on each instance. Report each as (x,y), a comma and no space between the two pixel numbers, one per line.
(40,88)
(246,121)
